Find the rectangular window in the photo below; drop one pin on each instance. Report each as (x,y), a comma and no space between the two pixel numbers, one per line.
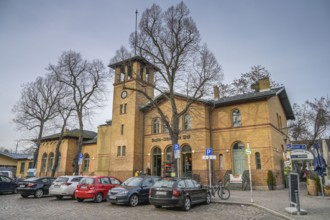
(123,153)
(123,108)
(22,168)
(129,72)
(118,151)
(30,165)
(122,129)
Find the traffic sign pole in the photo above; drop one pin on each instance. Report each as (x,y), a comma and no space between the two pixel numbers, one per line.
(248,152)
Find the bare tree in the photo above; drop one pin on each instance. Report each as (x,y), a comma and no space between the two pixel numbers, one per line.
(171,41)
(247,82)
(37,105)
(87,83)
(312,121)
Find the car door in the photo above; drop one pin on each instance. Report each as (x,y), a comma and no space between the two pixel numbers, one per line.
(145,186)
(46,184)
(200,192)
(191,190)
(6,184)
(104,185)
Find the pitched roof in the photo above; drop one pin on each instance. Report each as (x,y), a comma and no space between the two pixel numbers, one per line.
(16,156)
(135,58)
(87,135)
(255,96)
(238,99)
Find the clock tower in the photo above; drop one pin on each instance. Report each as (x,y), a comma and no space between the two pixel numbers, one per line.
(133,79)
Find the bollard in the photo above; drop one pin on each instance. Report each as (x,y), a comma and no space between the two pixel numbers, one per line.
(297,201)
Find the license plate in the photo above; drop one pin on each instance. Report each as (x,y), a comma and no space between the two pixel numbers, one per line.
(112,197)
(22,186)
(83,187)
(160,193)
(57,186)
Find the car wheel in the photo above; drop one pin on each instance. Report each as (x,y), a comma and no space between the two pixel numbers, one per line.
(208,199)
(39,193)
(59,197)
(24,196)
(187,204)
(134,200)
(98,198)
(158,206)
(80,200)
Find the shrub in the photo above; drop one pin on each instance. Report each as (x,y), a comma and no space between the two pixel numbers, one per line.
(271,178)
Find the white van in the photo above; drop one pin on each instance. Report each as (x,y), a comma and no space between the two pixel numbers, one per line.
(7,173)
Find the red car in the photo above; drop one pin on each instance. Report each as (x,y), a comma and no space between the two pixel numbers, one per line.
(95,187)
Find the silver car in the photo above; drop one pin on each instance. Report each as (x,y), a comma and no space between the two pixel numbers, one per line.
(64,186)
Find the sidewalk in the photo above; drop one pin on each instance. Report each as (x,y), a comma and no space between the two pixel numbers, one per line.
(276,201)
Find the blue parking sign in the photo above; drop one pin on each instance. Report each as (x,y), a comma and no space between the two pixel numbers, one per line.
(81,156)
(176,147)
(208,152)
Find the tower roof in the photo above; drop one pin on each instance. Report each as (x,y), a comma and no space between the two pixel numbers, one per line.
(135,58)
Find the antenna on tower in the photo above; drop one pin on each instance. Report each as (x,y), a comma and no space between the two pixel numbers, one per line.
(135,40)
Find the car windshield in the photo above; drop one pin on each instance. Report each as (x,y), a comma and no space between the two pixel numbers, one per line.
(164,183)
(62,179)
(87,181)
(133,181)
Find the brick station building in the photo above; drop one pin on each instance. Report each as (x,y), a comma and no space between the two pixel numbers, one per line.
(136,138)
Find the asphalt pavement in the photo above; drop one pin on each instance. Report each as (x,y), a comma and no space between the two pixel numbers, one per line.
(276,202)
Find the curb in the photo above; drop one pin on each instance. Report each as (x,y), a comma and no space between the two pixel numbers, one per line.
(257,206)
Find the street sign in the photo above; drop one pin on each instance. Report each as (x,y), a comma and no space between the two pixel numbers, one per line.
(211,157)
(80,160)
(81,156)
(301,155)
(176,151)
(296,146)
(208,152)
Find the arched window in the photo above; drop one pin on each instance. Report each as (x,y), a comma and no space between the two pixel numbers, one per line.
(169,152)
(258,160)
(59,161)
(236,117)
(86,162)
(165,128)
(51,161)
(186,122)
(156,126)
(221,162)
(44,162)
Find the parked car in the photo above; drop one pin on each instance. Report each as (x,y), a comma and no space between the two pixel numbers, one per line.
(7,184)
(95,187)
(37,186)
(176,192)
(64,186)
(133,191)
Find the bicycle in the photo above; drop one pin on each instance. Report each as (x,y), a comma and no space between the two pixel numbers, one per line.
(222,191)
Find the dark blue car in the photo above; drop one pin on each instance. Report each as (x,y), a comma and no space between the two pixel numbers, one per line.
(7,184)
(37,186)
(133,191)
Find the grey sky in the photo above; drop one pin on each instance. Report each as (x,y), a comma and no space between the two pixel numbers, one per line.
(288,37)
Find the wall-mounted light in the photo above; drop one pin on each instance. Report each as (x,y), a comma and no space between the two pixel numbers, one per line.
(227,150)
(193,151)
(148,154)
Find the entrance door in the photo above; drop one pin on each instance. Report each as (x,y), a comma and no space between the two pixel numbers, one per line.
(186,168)
(239,158)
(157,162)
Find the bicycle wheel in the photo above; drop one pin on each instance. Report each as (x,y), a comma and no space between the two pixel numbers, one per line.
(224,193)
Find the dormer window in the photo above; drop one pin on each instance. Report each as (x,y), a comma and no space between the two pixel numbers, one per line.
(186,122)
(156,126)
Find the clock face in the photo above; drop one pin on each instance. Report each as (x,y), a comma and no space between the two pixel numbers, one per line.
(123,94)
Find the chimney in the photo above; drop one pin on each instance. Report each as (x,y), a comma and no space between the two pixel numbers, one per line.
(216,92)
(264,84)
